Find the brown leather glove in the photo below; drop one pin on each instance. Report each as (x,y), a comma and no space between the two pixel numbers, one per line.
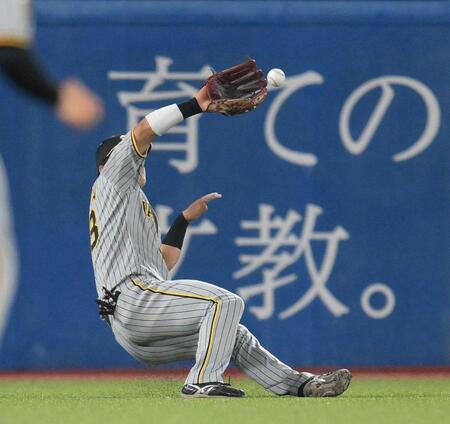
(236,90)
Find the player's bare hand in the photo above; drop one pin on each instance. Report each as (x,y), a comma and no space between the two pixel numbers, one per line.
(203,98)
(78,106)
(197,208)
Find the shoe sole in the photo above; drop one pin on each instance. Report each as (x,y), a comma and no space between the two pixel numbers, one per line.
(200,396)
(343,380)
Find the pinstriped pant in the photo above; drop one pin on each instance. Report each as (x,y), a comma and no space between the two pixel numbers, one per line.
(164,321)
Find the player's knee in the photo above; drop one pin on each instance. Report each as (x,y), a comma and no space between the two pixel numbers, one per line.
(237,302)
(240,302)
(228,298)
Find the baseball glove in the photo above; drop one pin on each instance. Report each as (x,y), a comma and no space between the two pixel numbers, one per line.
(236,90)
(107,304)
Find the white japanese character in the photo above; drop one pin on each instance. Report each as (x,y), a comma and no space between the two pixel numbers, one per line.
(282,248)
(184,136)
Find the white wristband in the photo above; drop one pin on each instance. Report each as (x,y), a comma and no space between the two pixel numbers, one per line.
(161,120)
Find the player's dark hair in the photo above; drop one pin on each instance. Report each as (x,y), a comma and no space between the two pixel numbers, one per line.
(105,148)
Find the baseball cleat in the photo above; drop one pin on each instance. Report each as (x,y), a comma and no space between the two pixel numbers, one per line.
(327,385)
(211,390)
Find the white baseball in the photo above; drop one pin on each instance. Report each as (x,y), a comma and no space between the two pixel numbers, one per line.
(276,77)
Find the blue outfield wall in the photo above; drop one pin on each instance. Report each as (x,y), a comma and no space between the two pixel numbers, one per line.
(334,223)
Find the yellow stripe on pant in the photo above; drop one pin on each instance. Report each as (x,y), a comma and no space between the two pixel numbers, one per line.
(218,306)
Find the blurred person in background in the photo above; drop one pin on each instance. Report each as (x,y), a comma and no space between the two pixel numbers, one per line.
(72,102)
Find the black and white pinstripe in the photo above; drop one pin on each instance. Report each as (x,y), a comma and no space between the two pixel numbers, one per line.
(128,236)
(158,320)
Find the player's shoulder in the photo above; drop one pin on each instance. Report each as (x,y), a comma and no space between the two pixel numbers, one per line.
(129,142)
(100,183)
(106,190)
(125,153)
(123,144)
(99,186)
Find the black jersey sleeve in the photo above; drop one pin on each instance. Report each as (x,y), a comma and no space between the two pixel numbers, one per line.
(23,68)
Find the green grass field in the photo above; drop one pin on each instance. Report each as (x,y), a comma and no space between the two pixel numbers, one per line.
(158,401)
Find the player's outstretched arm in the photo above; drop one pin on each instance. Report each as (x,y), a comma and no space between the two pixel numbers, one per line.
(173,241)
(161,120)
(233,91)
(77,106)
(74,104)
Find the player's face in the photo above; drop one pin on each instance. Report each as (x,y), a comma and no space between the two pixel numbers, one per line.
(142,177)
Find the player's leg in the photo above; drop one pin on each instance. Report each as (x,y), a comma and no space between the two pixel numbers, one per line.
(8,255)
(217,331)
(148,312)
(280,379)
(160,351)
(263,367)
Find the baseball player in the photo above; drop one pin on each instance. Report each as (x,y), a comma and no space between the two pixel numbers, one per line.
(159,320)
(73,103)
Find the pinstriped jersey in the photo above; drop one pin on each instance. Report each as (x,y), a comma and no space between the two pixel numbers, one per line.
(15,22)
(125,238)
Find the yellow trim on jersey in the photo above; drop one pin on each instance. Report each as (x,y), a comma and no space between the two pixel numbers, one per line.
(133,139)
(12,41)
(110,152)
(218,306)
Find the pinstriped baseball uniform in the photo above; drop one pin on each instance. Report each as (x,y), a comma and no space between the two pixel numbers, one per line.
(124,229)
(158,320)
(15,30)
(15,22)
